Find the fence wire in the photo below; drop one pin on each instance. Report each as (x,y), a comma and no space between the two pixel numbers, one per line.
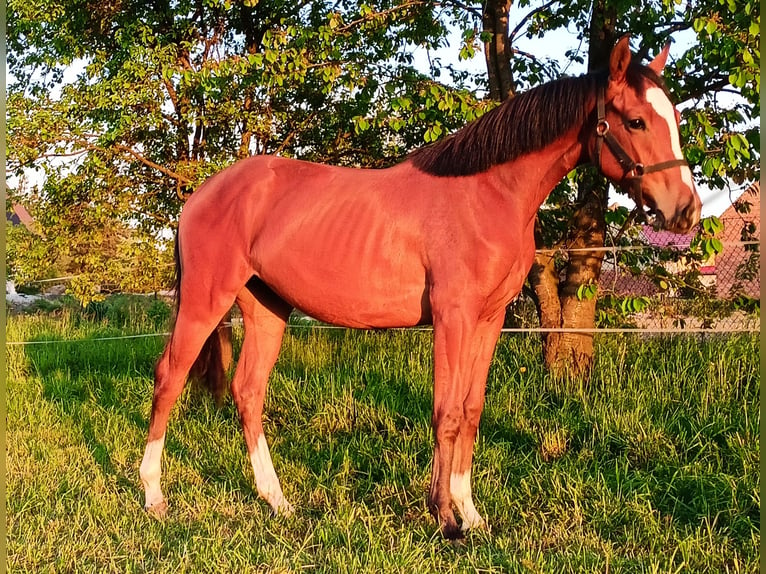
(643,289)
(670,288)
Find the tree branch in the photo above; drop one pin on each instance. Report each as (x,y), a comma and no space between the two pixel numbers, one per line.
(386,12)
(89,146)
(528,17)
(476,13)
(292,134)
(706,87)
(181,179)
(525,54)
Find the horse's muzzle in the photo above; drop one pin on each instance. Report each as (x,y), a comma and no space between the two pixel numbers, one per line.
(682,221)
(685,218)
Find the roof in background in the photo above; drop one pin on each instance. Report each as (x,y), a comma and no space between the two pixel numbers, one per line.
(19,216)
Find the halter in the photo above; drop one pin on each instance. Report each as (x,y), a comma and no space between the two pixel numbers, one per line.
(632,171)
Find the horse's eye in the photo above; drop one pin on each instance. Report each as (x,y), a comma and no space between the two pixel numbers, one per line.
(637,124)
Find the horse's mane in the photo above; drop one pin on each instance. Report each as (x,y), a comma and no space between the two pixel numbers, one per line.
(523,124)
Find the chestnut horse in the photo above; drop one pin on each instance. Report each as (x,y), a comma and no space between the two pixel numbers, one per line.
(443,238)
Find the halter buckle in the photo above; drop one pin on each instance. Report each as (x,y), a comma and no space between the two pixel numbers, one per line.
(602,128)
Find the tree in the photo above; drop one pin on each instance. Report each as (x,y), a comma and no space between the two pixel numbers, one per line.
(564,306)
(721,140)
(169,93)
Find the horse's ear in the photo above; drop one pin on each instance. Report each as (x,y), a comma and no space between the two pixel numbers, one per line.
(658,64)
(619,60)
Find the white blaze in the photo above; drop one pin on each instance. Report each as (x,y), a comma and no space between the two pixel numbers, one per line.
(664,108)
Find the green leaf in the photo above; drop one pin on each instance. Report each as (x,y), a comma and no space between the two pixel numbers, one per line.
(587,291)
(718,225)
(707,167)
(712,225)
(361,124)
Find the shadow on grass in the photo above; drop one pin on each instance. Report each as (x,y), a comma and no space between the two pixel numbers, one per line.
(94,386)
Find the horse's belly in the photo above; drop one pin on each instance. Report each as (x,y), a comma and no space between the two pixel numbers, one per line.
(348,298)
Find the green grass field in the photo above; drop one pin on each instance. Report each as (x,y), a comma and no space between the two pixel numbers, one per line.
(652,466)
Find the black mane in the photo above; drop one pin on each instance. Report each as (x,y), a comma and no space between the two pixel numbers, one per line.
(523,124)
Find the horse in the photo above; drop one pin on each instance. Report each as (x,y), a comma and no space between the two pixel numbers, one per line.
(445,237)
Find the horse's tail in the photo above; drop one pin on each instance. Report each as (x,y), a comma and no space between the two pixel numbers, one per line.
(214,360)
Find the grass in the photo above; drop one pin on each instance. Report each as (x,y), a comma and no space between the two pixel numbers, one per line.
(651,466)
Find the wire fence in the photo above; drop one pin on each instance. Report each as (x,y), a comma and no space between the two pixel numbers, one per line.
(668,288)
(642,289)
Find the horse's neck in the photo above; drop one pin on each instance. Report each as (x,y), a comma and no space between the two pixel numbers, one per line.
(537,173)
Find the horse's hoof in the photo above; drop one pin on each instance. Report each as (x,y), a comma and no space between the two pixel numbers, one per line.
(158,510)
(451,531)
(284,509)
(477,525)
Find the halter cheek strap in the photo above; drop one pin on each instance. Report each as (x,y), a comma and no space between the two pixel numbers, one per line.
(632,171)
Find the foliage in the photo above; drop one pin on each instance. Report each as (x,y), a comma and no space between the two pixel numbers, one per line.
(675,271)
(168,94)
(653,466)
(119,313)
(715,80)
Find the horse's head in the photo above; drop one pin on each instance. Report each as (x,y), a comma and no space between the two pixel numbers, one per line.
(637,143)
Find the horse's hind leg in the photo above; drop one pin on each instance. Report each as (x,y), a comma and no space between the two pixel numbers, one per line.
(192,327)
(265,316)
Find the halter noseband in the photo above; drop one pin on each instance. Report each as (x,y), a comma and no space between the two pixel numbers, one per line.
(632,171)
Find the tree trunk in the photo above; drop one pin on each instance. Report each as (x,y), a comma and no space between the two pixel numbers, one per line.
(497,49)
(573,353)
(253,39)
(544,282)
(558,304)
(247,134)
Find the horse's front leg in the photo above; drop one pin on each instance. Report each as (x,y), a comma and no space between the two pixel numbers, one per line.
(487,333)
(463,345)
